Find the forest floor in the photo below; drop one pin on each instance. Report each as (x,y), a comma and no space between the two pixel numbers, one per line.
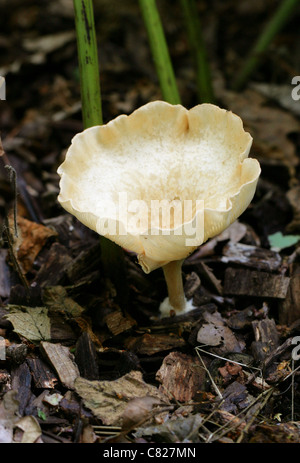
(80,363)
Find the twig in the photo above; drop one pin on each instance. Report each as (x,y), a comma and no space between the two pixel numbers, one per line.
(13,180)
(210,377)
(246,428)
(13,258)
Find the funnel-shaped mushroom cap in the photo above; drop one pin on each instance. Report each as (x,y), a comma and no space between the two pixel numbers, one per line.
(161,181)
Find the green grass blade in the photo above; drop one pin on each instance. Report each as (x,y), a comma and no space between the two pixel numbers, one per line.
(277,21)
(88,63)
(112,256)
(160,51)
(194,30)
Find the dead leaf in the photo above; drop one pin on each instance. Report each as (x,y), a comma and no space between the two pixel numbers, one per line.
(31,429)
(9,408)
(180,430)
(31,239)
(108,399)
(56,298)
(214,332)
(138,410)
(269,126)
(32,323)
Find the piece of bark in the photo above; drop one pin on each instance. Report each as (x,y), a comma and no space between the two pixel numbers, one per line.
(54,269)
(207,275)
(289,309)
(251,256)
(86,262)
(21,383)
(62,361)
(266,338)
(86,357)
(117,323)
(72,406)
(60,330)
(42,375)
(150,344)
(181,377)
(241,282)
(192,283)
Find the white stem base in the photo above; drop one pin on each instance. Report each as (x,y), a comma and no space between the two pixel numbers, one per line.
(166,308)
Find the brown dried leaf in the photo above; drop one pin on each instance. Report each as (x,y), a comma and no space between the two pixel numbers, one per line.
(108,399)
(31,239)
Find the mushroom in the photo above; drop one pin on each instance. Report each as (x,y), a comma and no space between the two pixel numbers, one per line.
(160,182)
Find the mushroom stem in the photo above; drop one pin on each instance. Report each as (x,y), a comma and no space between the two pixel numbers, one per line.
(173,277)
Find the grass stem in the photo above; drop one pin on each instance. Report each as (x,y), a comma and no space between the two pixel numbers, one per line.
(160,51)
(112,256)
(276,22)
(194,31)
(88,63)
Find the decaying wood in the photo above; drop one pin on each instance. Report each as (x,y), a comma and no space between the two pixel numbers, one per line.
(150,344)
(54,269)
(289,309)
(117,323)
(266,338)
(87,261)
(209,278)
(251,256)
(62,361)
(21,383)
(86,357)
(42,375)
(241,282)
(181,376)
(192,283)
